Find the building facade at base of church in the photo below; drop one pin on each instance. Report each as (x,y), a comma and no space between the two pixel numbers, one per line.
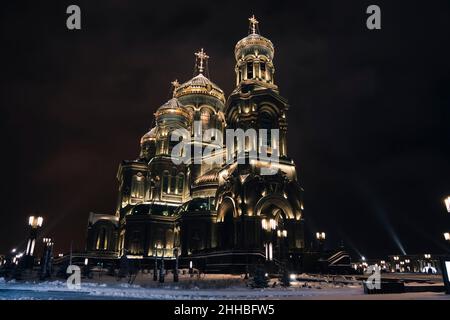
(223,215)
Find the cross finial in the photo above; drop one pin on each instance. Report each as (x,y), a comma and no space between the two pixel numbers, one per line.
(175,84)
(253,24)
(202,57)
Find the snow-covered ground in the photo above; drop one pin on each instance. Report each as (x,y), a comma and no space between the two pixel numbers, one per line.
(58,290)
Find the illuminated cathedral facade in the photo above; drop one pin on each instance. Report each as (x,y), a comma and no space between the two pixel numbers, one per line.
(219,215)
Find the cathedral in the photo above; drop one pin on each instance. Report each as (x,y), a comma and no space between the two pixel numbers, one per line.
(219,212)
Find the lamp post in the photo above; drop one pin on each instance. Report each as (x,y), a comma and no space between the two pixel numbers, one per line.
(175,273)
(282,236)
(320,236)
(155,267)
(34,224)
(46,266)
(161,270)
(191,267)
(447,206)
(396,264)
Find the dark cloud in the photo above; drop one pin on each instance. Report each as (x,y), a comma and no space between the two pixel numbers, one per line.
(368,124)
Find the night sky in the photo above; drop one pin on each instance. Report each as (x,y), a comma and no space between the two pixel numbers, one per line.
(369,123)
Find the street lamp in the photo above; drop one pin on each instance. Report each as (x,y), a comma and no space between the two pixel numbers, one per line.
(162,271)
(47,257)
(447,203)
(155,266)
(427,256)
(282,233)
(447,236)
(175,273)
(35,222)
(320,236)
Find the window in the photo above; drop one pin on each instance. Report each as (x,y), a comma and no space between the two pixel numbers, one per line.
(265,122)
(249,70)
(205,117)
(174,142)
(135,242)
(173,183)
(102,239)
(262,67)
(138,186)
(180,183)
(165,182)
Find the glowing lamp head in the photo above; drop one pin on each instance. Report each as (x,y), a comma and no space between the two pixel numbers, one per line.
(447,203)
(320,235)
(35,222)
(447,236)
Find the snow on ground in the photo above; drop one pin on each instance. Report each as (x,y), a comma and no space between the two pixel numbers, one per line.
(309,287)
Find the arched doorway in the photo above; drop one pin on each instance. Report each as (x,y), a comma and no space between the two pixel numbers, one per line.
(226,214)
(274,214)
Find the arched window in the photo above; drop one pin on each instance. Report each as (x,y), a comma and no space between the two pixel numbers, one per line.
(102,239)
(173,184)
(165,182)
(205,115)
(266,122)
(173,142)
(262,68)
(138,186)
(249,70)
(136,243)
(180,185)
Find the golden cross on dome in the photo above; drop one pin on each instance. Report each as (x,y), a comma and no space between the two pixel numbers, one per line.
(253,23)
(203,57)
(175,84)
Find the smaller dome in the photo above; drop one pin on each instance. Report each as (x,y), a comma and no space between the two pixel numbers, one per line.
(171,104)
(151,135)
(254,43)
(172,107)
(200,85)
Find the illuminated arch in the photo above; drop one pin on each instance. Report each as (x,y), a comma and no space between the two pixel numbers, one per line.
(225,206)
(277,201)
